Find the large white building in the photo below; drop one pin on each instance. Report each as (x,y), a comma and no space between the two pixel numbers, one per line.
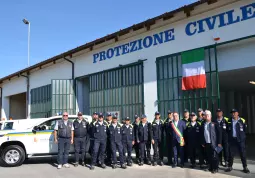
(138,69)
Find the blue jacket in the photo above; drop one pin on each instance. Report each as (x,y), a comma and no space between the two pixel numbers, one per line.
(115,134)
(240,130)
(143,134)
(128,134)
(181,126)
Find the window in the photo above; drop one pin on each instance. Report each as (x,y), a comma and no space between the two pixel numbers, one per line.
(48,125)
(8,126)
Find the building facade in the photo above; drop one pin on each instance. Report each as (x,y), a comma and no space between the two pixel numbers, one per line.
(138,70)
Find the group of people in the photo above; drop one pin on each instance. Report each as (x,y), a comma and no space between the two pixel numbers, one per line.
(213,141)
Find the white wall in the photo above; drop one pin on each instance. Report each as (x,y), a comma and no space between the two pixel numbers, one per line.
(84,63)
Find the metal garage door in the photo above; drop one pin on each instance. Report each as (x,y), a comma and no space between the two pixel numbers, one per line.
(170,94)
(118,90)
(63,96)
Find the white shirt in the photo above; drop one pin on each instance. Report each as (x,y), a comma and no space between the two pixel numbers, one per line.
(193,123)
(127,126)
(234,126)
(219,120)
(207,133)
(176,123)
(101,123)
(143,124)
(114,125)
(79,120)
(157,122)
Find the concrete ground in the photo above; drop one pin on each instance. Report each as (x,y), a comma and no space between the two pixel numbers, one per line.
(46,168)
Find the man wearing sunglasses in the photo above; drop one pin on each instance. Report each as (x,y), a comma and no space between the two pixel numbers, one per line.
(63,135)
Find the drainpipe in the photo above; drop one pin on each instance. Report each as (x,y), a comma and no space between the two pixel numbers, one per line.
(72,66)
(27,96)
(74,86)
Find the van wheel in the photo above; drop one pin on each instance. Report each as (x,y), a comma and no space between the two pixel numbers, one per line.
(13,156)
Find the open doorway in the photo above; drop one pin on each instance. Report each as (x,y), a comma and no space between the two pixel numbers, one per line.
(18,106)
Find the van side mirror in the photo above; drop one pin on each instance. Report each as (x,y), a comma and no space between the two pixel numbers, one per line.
(35,129)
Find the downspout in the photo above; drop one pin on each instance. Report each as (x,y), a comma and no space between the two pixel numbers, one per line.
(27,96)
(74,84)
(72,66)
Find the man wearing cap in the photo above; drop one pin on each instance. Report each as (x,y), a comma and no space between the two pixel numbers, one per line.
(81,127)
(223,125)
(186,119)
(136,145)
(168,136)
(236,136)
(108,144)
(157,140)
(143,137)
(178,127)
(94,119)
(99,132)
(128,140)
(115,138)
(63,135)
(200,118)
(193,133)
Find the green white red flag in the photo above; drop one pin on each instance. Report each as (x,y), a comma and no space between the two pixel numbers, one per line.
(193,69)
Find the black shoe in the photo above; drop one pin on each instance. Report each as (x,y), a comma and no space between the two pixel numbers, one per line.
(149,162)
(76,164)
(161,163)
(141,163)
(92,167)
(124,166)
(182,166)
(201,167)
(129,164)
(83,163)
(193,166)
(174,166)
(114,166)
(213,171)
(103,166)
(246,170)
(229,169)
(154,164)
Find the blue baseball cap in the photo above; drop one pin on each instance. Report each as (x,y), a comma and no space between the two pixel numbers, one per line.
(157,113)
(101,115)
(127,118)
(136,116)
(185,110)
(95,113)
(109,114)
(234,110)
(143,116)
(193,114)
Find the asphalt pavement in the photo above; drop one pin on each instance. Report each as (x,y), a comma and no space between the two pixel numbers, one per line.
(46,168)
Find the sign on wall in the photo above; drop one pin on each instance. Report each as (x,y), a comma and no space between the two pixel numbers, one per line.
(220,20)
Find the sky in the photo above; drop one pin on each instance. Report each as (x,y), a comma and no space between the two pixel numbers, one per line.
(61,25)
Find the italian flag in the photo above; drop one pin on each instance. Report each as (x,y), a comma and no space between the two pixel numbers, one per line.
(193,69)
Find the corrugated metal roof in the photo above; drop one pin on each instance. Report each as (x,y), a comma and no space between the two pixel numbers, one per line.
(147,23)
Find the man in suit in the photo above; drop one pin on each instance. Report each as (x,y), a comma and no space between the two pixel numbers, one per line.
(177,128)
(211,138)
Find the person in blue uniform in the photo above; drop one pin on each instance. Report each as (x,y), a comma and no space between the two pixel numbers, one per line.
(211,138)
(128,140)
(236,134)
(157,140)
(81,127)
(91,140)
(99,132)
(136,145)
(223,125)
(115,138)
(186,119)
(108,159)
(178,127)
(193,133)
(143,137)
(168,137)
